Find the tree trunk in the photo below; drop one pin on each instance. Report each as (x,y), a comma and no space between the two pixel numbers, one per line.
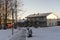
(5,18)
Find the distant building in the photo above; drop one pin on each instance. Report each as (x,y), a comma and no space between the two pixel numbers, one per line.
(58,22)
(42,19)
(22,23)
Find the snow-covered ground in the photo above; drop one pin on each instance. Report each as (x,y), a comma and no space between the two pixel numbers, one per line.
(47,33)
(6,34)
(19,34)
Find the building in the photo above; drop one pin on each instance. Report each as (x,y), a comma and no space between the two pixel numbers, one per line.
(22,23)
(58,21)
(42,19)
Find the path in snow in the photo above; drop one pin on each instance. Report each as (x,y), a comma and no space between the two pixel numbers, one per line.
(21,35)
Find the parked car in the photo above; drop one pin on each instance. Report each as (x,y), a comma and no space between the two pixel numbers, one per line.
(9,25)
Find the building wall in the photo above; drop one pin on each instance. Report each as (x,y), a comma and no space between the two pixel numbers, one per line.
(42,21)
(37,21)
(51,20)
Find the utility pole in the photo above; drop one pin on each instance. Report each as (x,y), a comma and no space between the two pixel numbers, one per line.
(12,14)
(12,21)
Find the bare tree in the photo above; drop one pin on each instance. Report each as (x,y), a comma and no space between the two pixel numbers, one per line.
(8,8)
(0,12)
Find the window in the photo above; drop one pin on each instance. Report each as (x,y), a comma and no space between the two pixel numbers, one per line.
(50,24)
(28,19)
(37,18)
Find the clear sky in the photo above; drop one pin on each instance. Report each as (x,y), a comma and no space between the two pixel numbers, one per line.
(39,6)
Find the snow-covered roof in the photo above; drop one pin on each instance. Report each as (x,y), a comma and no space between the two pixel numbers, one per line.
(39,14)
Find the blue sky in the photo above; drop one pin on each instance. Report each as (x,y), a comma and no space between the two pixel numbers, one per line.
(39,6)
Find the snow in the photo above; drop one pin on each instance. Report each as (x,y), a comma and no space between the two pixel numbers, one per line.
(6,34)
(21,35)
(45,33)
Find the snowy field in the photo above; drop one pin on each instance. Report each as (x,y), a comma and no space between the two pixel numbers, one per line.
(47,33)
(19,34)
(6,34)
